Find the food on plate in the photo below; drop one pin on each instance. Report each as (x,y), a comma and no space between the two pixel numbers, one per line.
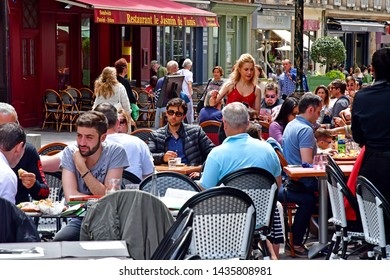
(28,206)
(346,155)
(21,171)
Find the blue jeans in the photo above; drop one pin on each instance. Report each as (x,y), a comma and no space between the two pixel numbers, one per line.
(71,232)
(306,202)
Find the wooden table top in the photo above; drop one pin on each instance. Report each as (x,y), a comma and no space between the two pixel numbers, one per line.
(179,169)
(298,172)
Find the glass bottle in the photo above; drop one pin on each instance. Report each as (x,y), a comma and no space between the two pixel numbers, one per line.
(154,189)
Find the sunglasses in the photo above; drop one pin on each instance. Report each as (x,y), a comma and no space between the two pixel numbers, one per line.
(270,96)
(177,113)
(333,87)
(122,122)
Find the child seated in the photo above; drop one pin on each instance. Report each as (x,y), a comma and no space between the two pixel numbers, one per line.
(324,142)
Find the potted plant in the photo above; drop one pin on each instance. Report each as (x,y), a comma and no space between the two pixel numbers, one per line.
(327,51)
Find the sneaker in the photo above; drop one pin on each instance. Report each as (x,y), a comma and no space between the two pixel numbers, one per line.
(300,251)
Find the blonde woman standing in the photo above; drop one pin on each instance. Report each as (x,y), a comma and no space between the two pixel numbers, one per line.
(108,89)
(242,84)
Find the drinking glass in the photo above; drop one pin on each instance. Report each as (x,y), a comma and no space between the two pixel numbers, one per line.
(172,162)
(319,162)
(114,184)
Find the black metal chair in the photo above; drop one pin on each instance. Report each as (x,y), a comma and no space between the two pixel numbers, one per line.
(167,180)
(171,240)
(375,214)
(223,225)
(336,168)
(261,187)
(139,218)
(342,237)
(47,227)
(129,178)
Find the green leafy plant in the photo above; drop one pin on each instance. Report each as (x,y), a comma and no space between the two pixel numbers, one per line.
(327,51)
(335,74)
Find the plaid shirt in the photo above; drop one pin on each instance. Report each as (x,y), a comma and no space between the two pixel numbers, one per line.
(286,84)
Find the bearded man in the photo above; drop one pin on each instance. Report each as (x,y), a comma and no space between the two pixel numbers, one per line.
(88,166)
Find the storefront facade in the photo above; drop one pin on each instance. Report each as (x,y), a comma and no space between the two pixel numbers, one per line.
(59,43)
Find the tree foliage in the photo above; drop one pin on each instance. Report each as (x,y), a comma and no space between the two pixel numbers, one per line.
(328,51)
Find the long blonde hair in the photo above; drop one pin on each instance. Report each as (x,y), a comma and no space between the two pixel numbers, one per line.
(104,85)
(235,76)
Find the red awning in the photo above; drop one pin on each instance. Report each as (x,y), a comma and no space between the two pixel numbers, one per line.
(147,12)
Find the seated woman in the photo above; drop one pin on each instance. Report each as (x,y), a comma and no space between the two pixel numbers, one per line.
(124,121)
(212,108)
(287,113)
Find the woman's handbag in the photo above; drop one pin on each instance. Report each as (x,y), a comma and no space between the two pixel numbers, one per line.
(134,111)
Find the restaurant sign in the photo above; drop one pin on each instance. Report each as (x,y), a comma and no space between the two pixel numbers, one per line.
(141,18)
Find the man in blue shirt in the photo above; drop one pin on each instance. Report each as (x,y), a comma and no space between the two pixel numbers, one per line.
(238,150)
(299,146)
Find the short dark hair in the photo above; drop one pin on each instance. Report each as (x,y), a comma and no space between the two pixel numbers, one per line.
(342,85)
(380,62)
(178,102)
(307,100)
(11,134)
(93,119)
(109,111)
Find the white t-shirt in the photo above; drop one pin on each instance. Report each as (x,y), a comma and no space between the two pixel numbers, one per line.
(8,180)
(188,77)
(138,153)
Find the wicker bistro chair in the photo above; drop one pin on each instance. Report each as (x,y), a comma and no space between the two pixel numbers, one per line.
(211,129)
(167,179)
(146,109)
(70,110)
(86,99)
(342,237)
(223,225)
(52,148)
(52,108)
(142,133)
(374,210)
(261,187)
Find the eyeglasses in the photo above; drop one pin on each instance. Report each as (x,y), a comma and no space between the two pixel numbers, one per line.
(270,96)
(333,87)
(177,113)
(121,122)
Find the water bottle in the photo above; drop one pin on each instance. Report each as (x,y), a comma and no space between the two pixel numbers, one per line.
(341,146)
(154,189)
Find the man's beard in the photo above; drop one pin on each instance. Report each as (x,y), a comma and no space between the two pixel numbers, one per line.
(90,152)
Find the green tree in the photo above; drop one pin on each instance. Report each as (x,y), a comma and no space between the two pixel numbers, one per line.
(327,51)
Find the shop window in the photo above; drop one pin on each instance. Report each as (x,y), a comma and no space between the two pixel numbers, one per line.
(363,4)
(63,55)
(377,4)
(28,57)
(30,14)
(86,51)
(351,3)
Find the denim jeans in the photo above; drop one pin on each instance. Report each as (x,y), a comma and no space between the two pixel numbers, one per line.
(306,202)
(71,232)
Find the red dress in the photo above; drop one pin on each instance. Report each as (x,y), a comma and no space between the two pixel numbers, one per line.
(235,96)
